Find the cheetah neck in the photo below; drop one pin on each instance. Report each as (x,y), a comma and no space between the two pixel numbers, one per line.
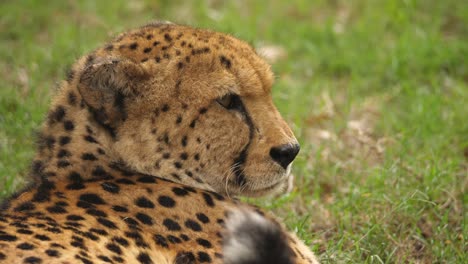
(70,144)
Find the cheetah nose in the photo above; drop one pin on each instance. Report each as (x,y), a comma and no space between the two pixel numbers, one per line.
(284,154)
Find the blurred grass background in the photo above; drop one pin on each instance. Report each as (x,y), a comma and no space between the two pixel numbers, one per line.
(376,91)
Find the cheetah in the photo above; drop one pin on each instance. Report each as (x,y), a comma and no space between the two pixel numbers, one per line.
(143,152)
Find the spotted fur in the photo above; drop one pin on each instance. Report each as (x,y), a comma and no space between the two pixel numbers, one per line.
(144,146)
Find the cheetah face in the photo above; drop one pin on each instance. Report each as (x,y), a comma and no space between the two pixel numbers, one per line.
(191,106)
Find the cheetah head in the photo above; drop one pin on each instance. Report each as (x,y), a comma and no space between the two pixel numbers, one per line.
(192,106)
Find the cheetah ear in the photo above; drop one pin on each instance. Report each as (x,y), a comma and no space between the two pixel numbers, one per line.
(107,85)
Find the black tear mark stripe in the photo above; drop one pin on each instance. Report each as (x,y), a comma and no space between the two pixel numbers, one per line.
(240,160)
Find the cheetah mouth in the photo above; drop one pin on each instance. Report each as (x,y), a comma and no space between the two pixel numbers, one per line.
(284,185)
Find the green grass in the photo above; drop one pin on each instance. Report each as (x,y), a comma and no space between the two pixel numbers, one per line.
(376,91)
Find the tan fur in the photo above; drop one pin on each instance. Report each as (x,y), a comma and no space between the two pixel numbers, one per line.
(145,106)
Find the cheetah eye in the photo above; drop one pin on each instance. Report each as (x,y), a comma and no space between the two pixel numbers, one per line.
(230,101)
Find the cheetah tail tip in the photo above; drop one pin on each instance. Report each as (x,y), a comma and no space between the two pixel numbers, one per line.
(253,239)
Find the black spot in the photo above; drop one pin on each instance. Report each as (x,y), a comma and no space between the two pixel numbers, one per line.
(56,209)
(160,240)
(75,177)
(43,191)
(64,140)
(75,186)
(100,172)
(110,187)
(165,108)
(147,179)
(166,155)
(166,201)
(184,237)
(203,218)
(175,175)
(120,240)
(167,37)
(184,156)
(77,242)
(57,245)
(178,165)
(63,153)
(99,231)
(220,222)
(179,120)
(144,218)
(63,163)
(104,258)
(174,239)
(149,36)
(118,208)
(57,115)
(180,65)
(193,225)
(32,260)
(171,225)
(90,139)
(184,258)
(157,59)
(107,223)
(131,223)
(144,258)
(26,206)
(24,231)
(156,43)
(190,189)
(91,198)
(69,75)
(203,257)
(225,61)
(46,142)
(218,196)
(25,246)
(72,98)
(203,110)
(68,125)
(42,237)
(37,167)
(203,242)
(143,202)
(133,46)
(88,156)
(52,253)
(114,248)
(192,124)
(75,218)
(118,259)
(109,47)
(147,50)
(125,181)
(89,60)
(179,191)
(208,199)
(96,212)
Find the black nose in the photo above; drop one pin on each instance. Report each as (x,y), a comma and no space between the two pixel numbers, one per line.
(284,154)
